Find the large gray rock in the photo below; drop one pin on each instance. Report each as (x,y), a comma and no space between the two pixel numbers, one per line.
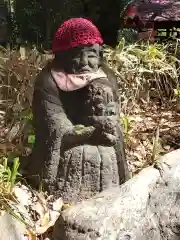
(11,229)
(145,207)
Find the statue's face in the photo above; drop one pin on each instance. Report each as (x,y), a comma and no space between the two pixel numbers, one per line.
(82,59)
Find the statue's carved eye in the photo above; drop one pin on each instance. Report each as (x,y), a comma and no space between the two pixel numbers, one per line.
(99,92)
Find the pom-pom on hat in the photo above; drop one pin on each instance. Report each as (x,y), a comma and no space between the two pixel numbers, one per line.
(75,32)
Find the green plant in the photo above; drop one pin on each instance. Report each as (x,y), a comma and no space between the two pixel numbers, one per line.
(19,70)
(145,71)
(177,92)
(8,177)
(126,127)
(31,139)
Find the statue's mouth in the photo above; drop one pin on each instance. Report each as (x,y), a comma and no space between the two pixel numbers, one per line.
(85,70)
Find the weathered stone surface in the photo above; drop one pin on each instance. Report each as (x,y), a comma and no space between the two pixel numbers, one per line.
(71,164)
(145,207)
(10,228)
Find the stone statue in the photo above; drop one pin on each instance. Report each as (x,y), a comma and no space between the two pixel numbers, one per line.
(79,149)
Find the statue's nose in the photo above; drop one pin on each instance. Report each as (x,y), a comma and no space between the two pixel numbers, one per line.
(84,59)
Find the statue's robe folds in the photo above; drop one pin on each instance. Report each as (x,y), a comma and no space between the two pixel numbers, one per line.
(71,163)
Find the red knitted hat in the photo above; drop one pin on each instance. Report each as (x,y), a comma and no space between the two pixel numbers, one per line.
(75,32)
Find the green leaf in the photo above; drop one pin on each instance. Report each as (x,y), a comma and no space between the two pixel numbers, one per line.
(31,139)
(14,173)
(177,92)
(26,115)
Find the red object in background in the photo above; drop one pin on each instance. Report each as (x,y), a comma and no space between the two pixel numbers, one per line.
(130,12)
(131,18)
(134,17)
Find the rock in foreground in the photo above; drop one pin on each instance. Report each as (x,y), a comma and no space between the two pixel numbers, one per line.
(145,207)
(11,229)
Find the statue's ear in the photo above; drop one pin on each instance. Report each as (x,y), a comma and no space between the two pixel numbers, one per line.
(101,52)
(100,56)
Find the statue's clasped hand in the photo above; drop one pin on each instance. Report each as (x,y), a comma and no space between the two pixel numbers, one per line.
(83,130)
